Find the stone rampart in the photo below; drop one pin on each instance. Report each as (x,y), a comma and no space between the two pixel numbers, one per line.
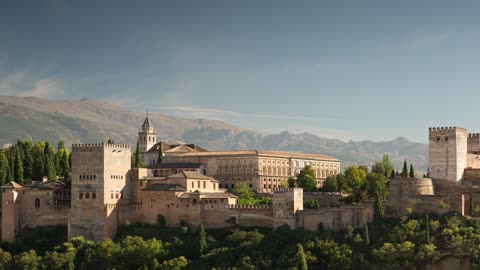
(336,218)
(323,198)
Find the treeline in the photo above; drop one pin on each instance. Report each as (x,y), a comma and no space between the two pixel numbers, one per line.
(406,243)
(24,162)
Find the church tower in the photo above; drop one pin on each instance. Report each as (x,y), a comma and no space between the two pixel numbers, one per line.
(147,136)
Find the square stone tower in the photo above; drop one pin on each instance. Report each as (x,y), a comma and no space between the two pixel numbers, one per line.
(286,202)
(447,153)
(100,173)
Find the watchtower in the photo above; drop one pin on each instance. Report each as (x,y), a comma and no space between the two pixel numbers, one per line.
(447,153)
(100,174)
(286,202)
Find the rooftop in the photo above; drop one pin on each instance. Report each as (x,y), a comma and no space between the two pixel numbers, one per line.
(174,165)
(193,175)
(164,187)
(267,153)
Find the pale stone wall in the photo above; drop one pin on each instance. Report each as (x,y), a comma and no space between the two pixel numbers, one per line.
(473,161)
(404,191)
(99,177)
(10,215)
(473,143)
(323,198)
(336,218)
(44,215)
(447,153)
(286,203)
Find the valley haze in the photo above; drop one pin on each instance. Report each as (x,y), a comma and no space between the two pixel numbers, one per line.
(91,121)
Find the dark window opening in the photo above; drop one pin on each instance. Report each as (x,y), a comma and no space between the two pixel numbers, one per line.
(37,203)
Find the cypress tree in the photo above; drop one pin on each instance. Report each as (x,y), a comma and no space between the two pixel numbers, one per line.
(412,172)
(11,164)
(49,164)
(38,167)
(160,152)
(202,239)
(27,159)
(65,167)
(378,212)
(405,170)
(367,235)
(137,157)
(428,230)
(392,175)
(18,170)
(3,168)
(301,261)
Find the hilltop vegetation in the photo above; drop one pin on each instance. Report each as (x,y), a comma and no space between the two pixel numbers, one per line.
(406,243)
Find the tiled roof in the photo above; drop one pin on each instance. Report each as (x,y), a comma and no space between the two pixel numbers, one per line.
(164,187)
(167,147)
(181,149)
(210,195)
(12,184)
(174,165)
(267,153)
(194,175)
(146,123)
(50,184)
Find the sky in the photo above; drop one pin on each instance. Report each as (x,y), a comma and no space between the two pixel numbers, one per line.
(352,70)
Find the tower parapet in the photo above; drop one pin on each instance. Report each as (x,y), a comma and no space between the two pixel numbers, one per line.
(473,143)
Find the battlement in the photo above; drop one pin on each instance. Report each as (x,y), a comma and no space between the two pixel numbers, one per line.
(250,207)
(99,145)
(443,130)
(473,136)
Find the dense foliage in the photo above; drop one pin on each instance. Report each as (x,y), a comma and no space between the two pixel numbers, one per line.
(25,161)
(405,243)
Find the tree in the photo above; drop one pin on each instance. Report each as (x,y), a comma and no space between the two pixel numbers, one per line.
(354,178)
(18,170)
(392,175)
(300,261)
(26,147)
(405,170)
(312,204)
(306,179)
(49,163)
(378,211)
(427,224)
(137,158)
(38,166)
(367,235)
(160,152)
(376,183)
(202,240)
(243,190)
(383,167)
(330,184)
(3,168)
(5,260)
(412,172)
(65,167)
(292,182)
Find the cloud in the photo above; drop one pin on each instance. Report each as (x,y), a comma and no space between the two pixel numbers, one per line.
(24,83)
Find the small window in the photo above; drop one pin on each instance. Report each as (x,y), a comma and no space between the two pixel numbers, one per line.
(204,184)
(111,195)
(116,195)
(37,203)
(198,184)
(80,195)
(87,195)
(94,195)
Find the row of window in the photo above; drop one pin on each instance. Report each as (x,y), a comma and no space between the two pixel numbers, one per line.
(116,176)
(150,139)
(117,195)
(81,195)
(87,177)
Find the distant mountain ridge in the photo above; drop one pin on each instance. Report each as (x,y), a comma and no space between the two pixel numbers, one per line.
(88,121)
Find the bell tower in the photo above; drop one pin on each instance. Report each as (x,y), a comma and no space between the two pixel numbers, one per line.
(147,135)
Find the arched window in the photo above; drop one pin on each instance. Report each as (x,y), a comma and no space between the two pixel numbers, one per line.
(37,203)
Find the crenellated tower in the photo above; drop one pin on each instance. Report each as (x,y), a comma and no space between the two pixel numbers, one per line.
(100,178)
(147,135)
(448,153)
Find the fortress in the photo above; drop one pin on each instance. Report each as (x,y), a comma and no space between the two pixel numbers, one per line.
(188,183)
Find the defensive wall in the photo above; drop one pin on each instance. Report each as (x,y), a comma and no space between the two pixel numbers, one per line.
(324,199)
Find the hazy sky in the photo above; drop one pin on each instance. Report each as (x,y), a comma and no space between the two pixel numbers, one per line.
(346,69)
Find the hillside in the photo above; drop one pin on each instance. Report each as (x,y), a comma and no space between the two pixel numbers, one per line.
(92,121)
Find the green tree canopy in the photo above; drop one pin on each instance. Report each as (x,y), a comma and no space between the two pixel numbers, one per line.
(243,190)
(376,183)
(330,184)
(306,179)
(412,172)
(354,178)
(405,170)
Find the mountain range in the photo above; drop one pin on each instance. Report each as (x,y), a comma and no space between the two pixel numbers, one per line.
(89,121)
